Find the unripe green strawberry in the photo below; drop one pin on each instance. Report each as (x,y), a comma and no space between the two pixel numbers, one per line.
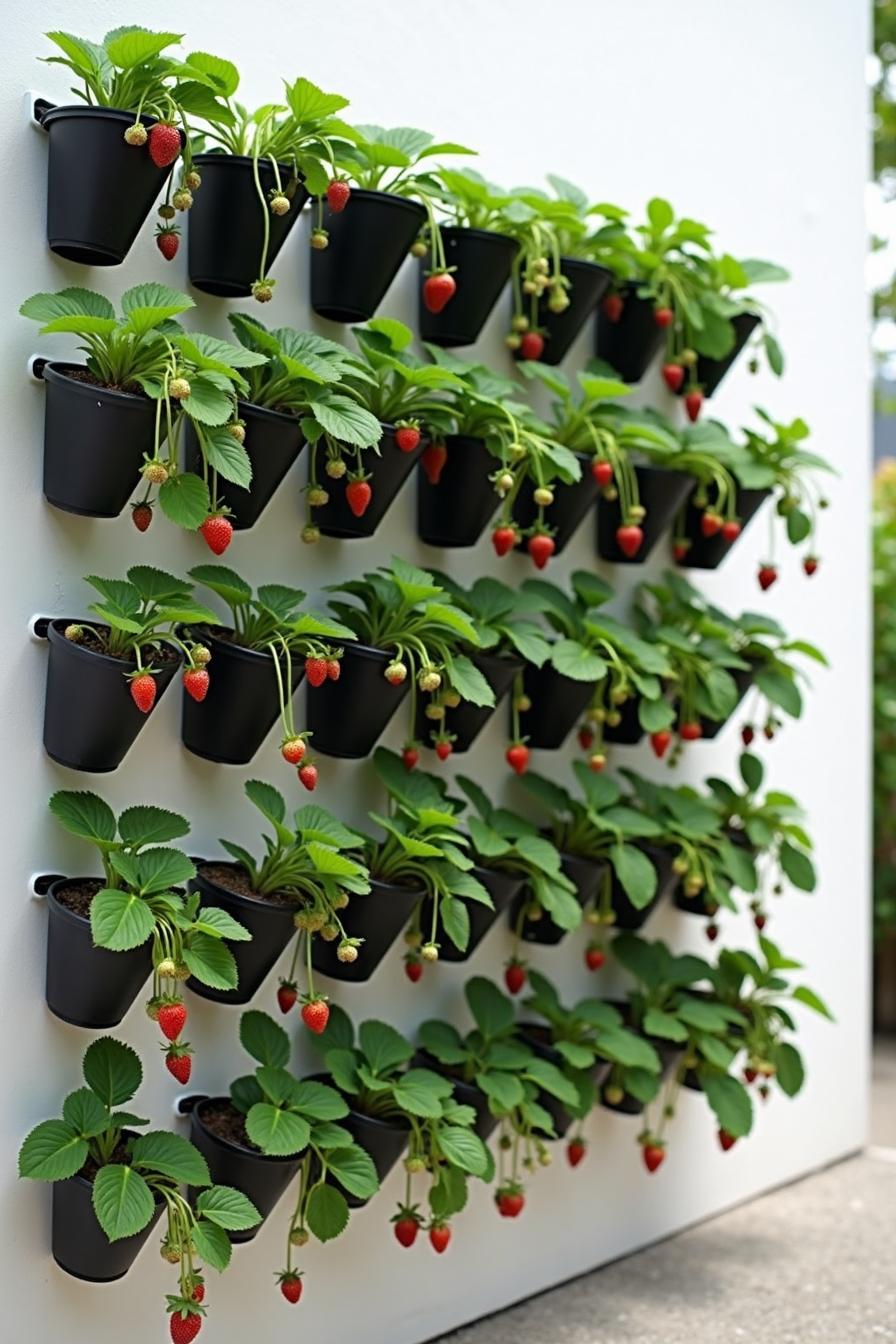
(136,134)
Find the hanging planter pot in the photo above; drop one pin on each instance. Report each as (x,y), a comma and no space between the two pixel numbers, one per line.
(631,343)
(90,720)
(346,717)
(99,189)
(456,511)
(585,874)
(218,1130)
(669,1056)
(88,986)
(629,916)
(467,721)
(628,731)
(710,372)
(467,1094)
(384,1139)
(79,1244)
(269,919)
(482,260)
(378,918)
(242,703)
(95,441)
(588,283)
(225,235)
(709,552)
(661,492)
(568,511)
(273,443)
(387,469)
(368,241)
(558,703)
(743,680)
(503,889)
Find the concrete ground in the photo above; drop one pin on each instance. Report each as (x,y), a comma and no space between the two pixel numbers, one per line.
(813,1263)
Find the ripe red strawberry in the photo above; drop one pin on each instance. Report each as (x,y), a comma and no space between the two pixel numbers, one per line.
(747,733)
(504,539)
(602,473)
(731,530)
(629,539)
(432,460)
(308,776)
(286,995)
(316,1015)
(767,576)
(514,976)
(443,749)
(334,669)
(575,1151)
(179,1063)
(673,376)
(710,523)
(171,1019)
(184,1329)
(750,1075)
(693,404)
(316,671)
(217,533)
(358,495)
(437,290)
(612,307)
(541,547)
(760,921)
(407,438)
(680,551)
(406,1230)
(531,345)
(660,742)
(439,1237)
(141,516)
(196,683)
(293,750)
(586,738)
(338,193)
(198,1293)
(517,757)
(168,241)
(653,1154)
(726,1140)
(413,969)
(164,144)
(510,1203)
(810,565)
(690,731)
(663,317)
(143,692)
(712,932)
(291,1286)
(595,958)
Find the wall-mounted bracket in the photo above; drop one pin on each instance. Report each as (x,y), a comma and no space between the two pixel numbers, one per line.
(186,1103)
(36,108)
(36,366)
(39,625)
(40,883)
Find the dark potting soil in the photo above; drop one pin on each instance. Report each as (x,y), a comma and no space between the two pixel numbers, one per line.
(120,1155)
(226,1122)
(95,642)
(85,376)
(236,879)
(78,896)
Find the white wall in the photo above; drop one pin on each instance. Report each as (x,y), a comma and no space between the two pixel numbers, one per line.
(750,115)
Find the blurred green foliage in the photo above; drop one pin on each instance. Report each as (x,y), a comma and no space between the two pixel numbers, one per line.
(884,591)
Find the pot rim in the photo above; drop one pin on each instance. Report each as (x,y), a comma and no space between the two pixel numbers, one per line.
(404,202)
(405,889)
(237,1147)
(56,371)
(256,902)
(267,413)
(468,231)
(239,160)
(71,916)
(83,110)
(583,263)
(56,635)
(239,651)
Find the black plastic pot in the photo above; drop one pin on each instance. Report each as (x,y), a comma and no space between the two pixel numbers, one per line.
(95,440)
(586,874)
(260,1178)
(557,704)
(694,905)
(90,720)
(669,1055)
(467,721)
(241,706)
(270,924)
(368,241)
(387,468)
(628,731)
(456,511)
(226,230)
(273,443)
(710,372)
(661,492)
(79,1244)
(743,680)
(467,1094)
(709,552)
(628,916)
(503,889)
(483,260)
(88,986)
(568,511)
(378,918)
(383,1140)
(632,343)
(588,283)
(347,716)
(99,189)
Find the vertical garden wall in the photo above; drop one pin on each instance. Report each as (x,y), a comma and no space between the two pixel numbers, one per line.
(751,119)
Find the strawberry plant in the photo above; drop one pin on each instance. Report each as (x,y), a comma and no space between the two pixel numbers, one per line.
(310,864)
(724,303)
(371,1071)
(132,1178)
(140,900)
